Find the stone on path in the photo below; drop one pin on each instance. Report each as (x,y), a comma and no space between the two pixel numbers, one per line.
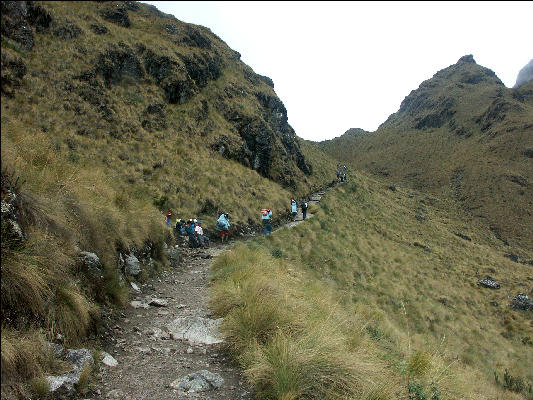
(196,329)
(154,301)
(139,304)
(199,381)
(109,360)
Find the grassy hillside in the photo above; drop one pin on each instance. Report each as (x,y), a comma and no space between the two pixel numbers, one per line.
(378,294)
(462,135)
(112,114)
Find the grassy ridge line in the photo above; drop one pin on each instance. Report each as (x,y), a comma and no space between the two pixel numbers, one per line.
(416,313)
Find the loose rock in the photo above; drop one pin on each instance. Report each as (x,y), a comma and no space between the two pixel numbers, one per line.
(522,302)
(196,330)
(488,282)
(200,381)
(109,360)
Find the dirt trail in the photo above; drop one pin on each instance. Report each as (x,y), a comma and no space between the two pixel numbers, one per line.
(150,359)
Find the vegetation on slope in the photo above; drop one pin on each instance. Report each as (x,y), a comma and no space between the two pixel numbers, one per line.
(374,297)
(112,114)
(462,135)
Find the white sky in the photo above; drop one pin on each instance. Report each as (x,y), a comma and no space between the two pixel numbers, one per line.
(341,65)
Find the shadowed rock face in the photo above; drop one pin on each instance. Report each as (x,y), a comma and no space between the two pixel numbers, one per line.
(20,17)
(525,75)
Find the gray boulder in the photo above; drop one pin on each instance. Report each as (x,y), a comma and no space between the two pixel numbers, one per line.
(196,329)
(488,282)
(91,264)
(65,384)
(522,302)
(173,257)
(132,265)
(199,381)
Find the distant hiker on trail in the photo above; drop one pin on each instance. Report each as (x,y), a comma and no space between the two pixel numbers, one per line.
(169,214)
(304,208)
(266,217)
(223,226)
(190,229)
(294,209)
(204,240)
(344,169)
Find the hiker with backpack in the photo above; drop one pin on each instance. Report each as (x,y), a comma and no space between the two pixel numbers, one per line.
(304,209)
(294,209)
(223,226)
(169,214)
(190,229)
(266,217)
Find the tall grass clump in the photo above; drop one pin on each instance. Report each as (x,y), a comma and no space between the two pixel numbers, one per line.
(288,334)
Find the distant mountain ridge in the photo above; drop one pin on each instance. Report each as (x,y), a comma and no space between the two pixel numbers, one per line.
(464,135)
(525,74)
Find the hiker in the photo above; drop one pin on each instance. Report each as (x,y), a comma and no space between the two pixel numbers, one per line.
(266,217)
(223,226)
(344,173)
(180,227)
(169,214)
(304,208)
(294,209)
(190,229)
(204,240)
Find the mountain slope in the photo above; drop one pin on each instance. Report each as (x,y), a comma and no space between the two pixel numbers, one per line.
(114,113)
(462,134)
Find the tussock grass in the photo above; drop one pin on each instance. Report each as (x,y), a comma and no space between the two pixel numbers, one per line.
(287,332)
(23,353)
(351,285)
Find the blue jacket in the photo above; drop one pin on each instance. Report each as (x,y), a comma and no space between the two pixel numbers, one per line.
(190,229)
(294,207)
(222,223)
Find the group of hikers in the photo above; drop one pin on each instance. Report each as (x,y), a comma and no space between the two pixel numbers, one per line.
(341,172)
(193,227)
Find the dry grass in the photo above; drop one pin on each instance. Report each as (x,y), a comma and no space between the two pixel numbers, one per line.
(484,168)
(103,184)
(355,267)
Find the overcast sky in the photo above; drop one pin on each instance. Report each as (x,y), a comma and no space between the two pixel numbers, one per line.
(341,65)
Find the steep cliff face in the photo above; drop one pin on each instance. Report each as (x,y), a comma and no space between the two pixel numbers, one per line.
(464,135)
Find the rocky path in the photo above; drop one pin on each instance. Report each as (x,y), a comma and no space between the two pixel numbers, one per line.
(165,342)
